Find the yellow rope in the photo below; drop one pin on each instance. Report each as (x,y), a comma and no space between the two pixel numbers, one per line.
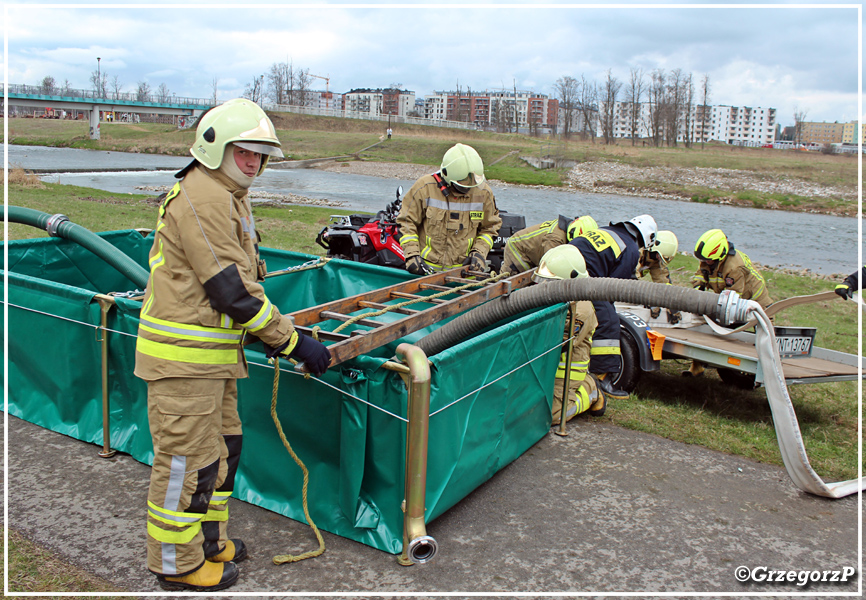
(287,558)
(392,307)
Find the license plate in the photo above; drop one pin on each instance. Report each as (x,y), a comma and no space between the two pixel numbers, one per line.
(794,345)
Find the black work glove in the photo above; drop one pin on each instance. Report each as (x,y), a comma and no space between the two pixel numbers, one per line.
(476,261)
(674,317)
(655,311)
(312,353)
(844,290)
(417,266)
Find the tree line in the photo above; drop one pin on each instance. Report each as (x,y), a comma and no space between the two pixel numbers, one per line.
(671,97)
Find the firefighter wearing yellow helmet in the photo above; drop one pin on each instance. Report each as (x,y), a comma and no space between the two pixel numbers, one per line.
(566,262)
(524,249)
(721,268)
(203,295)
(449,218)
(655,261)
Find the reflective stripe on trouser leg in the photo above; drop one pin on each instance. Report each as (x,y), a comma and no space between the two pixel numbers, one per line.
(184,426)
(215,522)
(577,393)
(605,353)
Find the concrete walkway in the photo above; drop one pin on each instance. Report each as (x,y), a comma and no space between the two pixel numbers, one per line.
(603,510)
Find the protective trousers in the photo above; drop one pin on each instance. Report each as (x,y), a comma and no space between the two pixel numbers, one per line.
(605,353)
(197,441)
(580,387)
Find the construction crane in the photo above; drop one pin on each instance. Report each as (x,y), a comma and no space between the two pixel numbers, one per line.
(327,80)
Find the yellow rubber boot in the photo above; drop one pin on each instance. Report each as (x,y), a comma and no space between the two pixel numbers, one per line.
(235,551)
(209,577)
(599,404)
(695,370)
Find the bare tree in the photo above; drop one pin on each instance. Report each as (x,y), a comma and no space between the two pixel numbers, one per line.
(66,88)
(634,97)
(278,85)
(214,85)
(303,85)
(688,96)
(48,86)
(657,106)
(566,89)
(163,93)
(799,119)
(116,86)
(610,91)
(673,115)
(705,97)
(98,80)
(254,89)
(588,106)
(142,92)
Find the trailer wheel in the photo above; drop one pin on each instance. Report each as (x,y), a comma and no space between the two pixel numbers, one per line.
(629,372)
(738,379)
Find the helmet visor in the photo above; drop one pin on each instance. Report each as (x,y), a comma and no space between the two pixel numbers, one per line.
(265,149)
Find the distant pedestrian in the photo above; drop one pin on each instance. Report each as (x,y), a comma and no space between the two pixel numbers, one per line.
(389,133)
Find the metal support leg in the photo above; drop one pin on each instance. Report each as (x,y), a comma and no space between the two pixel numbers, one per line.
(105,304)
(572,316)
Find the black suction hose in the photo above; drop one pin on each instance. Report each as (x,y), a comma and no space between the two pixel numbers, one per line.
(61,226)
(726,309)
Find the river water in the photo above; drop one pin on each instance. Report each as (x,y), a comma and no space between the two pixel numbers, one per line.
(822,243)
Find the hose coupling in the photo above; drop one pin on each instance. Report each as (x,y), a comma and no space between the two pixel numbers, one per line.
(53,224)
(732,308)
(422,549)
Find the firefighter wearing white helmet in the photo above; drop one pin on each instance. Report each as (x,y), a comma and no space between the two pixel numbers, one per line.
(612,251)
(524,249)
(655,261)
(721,268)
(203,295)
(566,262)
(449,218)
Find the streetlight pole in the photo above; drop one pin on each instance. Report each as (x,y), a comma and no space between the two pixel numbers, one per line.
(98,78)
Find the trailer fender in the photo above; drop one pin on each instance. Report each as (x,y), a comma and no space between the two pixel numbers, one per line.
(633,325)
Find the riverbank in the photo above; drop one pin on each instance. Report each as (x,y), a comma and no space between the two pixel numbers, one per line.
(695,184)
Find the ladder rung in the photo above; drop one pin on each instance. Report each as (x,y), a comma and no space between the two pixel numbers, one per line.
(324,335)
(405,310)
(416,296)
(329,314)
(442,288)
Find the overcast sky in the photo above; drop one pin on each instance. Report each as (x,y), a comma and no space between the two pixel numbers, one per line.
(774,55)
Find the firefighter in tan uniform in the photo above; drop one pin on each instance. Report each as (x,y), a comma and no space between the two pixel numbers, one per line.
(449,218)
(724,268)
(566,262)
(655,262)
(203,294)
(524,249)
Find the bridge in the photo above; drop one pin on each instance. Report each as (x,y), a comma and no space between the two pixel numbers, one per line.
(93,103)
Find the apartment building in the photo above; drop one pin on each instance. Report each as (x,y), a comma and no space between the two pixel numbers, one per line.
(821,133)
(849,133)
(376,102)
(524,109)
(746,125)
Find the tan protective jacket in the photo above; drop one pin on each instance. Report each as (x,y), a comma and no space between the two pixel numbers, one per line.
(442,229)
(203,290)
(649,261)
(525,248)
(734,272)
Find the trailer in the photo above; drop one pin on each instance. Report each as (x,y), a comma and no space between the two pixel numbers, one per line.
(646,341)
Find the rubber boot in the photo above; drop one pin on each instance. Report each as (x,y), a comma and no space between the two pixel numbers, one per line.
(695,370)
(235,551)
(599,404)
(209,577)
(604,385)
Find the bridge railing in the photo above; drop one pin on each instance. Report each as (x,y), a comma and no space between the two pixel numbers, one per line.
(38,90)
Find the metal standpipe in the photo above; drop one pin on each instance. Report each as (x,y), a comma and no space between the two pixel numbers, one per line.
(572,318)
(418,547)
(105,304)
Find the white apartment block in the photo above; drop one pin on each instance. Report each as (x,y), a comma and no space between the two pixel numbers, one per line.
(379,102)
(728,124)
